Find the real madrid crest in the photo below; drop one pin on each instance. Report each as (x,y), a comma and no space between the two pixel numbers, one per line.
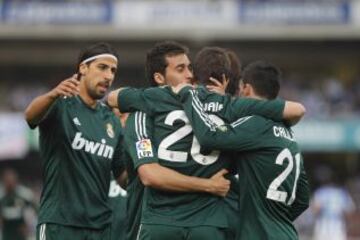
(110,130)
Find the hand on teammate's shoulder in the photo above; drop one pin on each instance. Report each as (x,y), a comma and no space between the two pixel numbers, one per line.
(176,89)
(68,87)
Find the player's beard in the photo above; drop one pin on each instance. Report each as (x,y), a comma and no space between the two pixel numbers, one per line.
(94,94)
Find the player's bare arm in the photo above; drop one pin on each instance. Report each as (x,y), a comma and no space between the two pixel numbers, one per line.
(38,108)
(293,112)
(156,176)
(112,98)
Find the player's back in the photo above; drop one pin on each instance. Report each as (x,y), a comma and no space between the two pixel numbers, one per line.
(273,183)
(179,150)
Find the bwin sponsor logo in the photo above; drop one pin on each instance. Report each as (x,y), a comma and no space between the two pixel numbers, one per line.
(100,149)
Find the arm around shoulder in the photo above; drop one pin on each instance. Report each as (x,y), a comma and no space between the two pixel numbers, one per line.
(156,176)
(293,112)
(112,99)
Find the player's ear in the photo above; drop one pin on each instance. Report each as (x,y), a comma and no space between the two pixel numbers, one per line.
(159,78)
(83,68)
(247,90)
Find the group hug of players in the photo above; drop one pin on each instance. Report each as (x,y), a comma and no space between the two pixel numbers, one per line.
(197,161)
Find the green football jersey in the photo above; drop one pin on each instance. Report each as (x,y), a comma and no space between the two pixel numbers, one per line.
(79,146)
(118,199)
(178,149)
(273,185)
(138,150)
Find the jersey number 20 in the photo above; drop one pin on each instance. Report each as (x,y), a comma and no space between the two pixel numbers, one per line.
(181,156)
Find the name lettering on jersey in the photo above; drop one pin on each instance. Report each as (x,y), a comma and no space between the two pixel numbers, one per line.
(213,106)
(283,132)
(144,148)
(100,149)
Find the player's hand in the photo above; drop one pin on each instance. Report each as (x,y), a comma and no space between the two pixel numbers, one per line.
(68,87)
(176,89)
(219,184)
(218,87)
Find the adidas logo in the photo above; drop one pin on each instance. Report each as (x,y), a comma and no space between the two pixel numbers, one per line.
(76,121)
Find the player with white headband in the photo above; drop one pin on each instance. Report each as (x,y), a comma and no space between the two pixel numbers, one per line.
(80,143)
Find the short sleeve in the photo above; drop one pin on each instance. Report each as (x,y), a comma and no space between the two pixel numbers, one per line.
(138,139)
(50,116)
(131,100)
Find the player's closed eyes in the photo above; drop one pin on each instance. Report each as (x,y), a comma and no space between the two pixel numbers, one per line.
(180,68)
(104,67)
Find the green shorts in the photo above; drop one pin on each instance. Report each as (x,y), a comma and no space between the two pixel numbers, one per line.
(164,232)
(50,231)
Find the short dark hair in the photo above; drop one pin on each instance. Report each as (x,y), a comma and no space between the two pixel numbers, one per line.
(156,58)
(235,65)
(214,62)
(264,78)
(95,49)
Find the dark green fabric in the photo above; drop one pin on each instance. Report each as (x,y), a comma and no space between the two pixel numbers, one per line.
(118,200)
(138,131)
(79,147)
(50,231)
(273,186)
(163,232)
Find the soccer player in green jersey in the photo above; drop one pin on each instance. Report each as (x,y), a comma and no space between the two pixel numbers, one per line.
(273,185)
(140,155)
(219,68)
(80,143)
(15,200)
(180,215)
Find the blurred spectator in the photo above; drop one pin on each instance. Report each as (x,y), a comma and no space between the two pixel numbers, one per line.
(331,206)
(15,200)
(323,98)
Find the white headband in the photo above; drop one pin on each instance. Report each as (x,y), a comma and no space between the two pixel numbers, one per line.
(99,56)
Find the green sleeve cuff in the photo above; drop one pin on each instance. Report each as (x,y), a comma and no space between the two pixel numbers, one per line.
(184,92)
(280,106)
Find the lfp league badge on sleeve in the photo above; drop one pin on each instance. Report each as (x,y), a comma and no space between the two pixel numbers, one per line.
(144,148)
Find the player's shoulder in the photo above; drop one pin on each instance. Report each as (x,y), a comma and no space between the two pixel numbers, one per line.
(105,110)
(137,121)
(257,125)
(109,116)
(150,93)
(252,121)
(159,91)
(69,100)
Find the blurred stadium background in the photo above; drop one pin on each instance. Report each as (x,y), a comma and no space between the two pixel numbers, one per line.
(316,43)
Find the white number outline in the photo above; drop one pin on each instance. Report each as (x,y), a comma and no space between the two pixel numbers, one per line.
(163,152)
(280,196)
(180,156)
